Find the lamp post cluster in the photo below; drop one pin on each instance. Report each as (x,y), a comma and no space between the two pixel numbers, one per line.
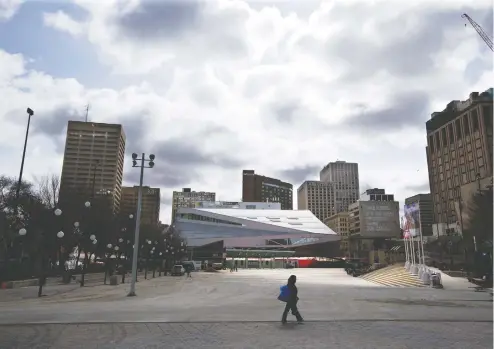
(42,248)
(150,164)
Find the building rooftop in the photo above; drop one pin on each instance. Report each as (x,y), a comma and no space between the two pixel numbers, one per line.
(302,220)
(455,108)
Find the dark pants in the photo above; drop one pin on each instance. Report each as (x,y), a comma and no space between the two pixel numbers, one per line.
(291,305)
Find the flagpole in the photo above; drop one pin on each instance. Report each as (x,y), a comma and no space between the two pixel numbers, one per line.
(421,237)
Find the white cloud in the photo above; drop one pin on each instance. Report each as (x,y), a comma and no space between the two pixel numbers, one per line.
(63,22)
(8,8)
(237,85)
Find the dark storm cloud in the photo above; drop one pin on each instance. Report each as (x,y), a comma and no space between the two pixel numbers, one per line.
(162,176)
(419,188)
(402,57)
(161,19)
(297,175)
(50,123)
(408,110)
(178,161)
(184,152)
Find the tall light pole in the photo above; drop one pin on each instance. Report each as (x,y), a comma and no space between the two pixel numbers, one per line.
(30,112)
(142,166)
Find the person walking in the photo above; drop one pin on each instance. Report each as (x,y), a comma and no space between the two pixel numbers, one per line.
(292,300)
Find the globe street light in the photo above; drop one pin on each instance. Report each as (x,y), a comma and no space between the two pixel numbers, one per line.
(92,238)
(76,224)
(87,204)
(60,234)
(22,232)
(58,212)
(131,216)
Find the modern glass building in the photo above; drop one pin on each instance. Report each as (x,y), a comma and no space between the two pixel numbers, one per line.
(246,228)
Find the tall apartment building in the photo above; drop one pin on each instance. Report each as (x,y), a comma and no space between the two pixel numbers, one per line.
(188,199)
(150,209)
(459,153)
(93,162)
(317,197)
(257,188)
(339,224)
(426,209)
(345,177)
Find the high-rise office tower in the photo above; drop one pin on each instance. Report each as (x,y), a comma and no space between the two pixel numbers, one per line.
(317,197)
(150,204)
(257,188)
(345,177)
(93,162)
(188,198)
(459,155)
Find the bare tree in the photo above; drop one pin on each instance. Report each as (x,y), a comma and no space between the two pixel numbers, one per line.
(47,189)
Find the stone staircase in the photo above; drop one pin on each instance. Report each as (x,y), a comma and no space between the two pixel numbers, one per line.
(393,276)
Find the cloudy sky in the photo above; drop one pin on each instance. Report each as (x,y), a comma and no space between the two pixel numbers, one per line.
(213,87)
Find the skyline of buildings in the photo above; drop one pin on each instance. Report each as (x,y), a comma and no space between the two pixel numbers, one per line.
(458,151)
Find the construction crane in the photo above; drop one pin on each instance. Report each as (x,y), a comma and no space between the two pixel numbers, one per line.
(486,37)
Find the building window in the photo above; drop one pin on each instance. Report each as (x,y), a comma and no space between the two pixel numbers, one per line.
(475,120)
(458,129)
(466,124)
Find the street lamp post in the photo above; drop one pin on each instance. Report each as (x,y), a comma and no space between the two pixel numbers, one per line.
(82,242)
(142,166)
(94,167)
(42,277)
(107,264)
(30,112)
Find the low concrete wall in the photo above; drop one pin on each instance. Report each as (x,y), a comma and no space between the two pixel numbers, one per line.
(19,283)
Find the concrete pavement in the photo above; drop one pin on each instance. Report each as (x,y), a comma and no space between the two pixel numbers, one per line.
(55,290)
(250,295)
(252,335)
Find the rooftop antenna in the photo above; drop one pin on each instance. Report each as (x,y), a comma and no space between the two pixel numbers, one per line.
(87,112)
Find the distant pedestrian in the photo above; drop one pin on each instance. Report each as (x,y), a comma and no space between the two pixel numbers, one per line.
(291,298)
(188,270)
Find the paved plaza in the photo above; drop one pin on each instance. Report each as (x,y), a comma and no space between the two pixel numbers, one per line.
(240,310)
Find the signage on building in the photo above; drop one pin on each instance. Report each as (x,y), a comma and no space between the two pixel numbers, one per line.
(379,219)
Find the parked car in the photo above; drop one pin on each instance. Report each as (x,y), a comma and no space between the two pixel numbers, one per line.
(189,265)
(178,270)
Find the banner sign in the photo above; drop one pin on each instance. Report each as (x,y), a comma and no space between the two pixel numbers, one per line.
(412,220)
